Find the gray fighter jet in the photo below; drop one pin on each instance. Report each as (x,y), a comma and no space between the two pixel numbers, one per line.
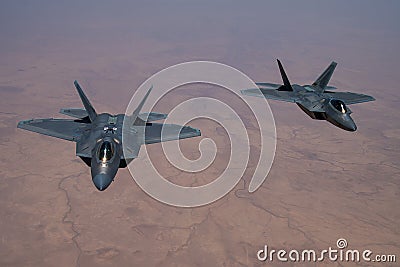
(317,100)
(98,137)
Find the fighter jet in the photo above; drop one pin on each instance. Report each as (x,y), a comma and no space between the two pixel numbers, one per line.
(98,137)
(317,100)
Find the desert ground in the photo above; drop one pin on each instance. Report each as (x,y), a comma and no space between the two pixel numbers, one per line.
(324,184)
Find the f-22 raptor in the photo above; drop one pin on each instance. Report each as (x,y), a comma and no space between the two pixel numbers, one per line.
(317,100)
(98,137)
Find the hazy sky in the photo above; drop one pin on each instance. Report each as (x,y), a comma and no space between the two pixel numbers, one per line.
(122,43)
(226,30)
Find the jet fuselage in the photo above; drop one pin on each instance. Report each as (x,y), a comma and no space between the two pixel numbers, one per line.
(335,111)
(317,100)
(103,142)
(98,137)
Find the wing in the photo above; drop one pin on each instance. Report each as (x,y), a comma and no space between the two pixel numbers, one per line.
(133,138)
(287,96)
(158,132)
(131,150)
(350,98)
(313,106)
(61,128)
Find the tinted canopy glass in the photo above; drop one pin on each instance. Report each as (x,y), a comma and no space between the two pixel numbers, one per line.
(339,105)
(106,151)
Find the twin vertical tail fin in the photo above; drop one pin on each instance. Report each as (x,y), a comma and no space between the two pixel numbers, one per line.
(89,108)
(286,84)
(323,80)
(135,115)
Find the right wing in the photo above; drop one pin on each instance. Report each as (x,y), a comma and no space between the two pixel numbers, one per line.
(61,128)
(287,96)
(350,98)
(158,132)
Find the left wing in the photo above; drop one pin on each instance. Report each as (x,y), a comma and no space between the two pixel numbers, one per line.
(61,128)
(350,98)
(158,132)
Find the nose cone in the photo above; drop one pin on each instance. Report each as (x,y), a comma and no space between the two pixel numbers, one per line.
(353,127)
(345,122)
(102,181)
(349,125)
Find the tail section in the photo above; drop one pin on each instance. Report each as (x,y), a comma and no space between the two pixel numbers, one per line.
(286,84)
(89,108)
(135,115)
(323,80)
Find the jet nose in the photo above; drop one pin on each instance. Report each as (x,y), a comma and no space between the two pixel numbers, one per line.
(350,125)
(101,181)
(353,127)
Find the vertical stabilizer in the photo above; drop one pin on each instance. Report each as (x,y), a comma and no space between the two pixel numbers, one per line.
(136,112)
(323,80)
(286,84)
(89,108)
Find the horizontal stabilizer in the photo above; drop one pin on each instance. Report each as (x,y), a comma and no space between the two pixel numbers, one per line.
(268,85)
(330,87)
(310,87)
(78,113)
(286,96)
(152,116)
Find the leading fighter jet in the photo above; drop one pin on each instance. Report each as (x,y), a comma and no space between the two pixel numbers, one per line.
(317,100)
(98,137)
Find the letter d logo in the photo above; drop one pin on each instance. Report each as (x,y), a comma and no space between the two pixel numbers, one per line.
(262,254)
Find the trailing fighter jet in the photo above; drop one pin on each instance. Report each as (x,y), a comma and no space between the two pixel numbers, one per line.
(98,137)
(317,100)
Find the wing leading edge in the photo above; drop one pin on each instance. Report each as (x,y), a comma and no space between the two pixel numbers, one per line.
(158,132)
(155,133)
(60,128)
(350,98)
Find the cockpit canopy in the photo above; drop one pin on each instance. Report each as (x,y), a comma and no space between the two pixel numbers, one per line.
(106,151)
(339,105)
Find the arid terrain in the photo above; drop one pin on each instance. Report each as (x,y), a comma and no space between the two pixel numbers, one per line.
(325,183)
